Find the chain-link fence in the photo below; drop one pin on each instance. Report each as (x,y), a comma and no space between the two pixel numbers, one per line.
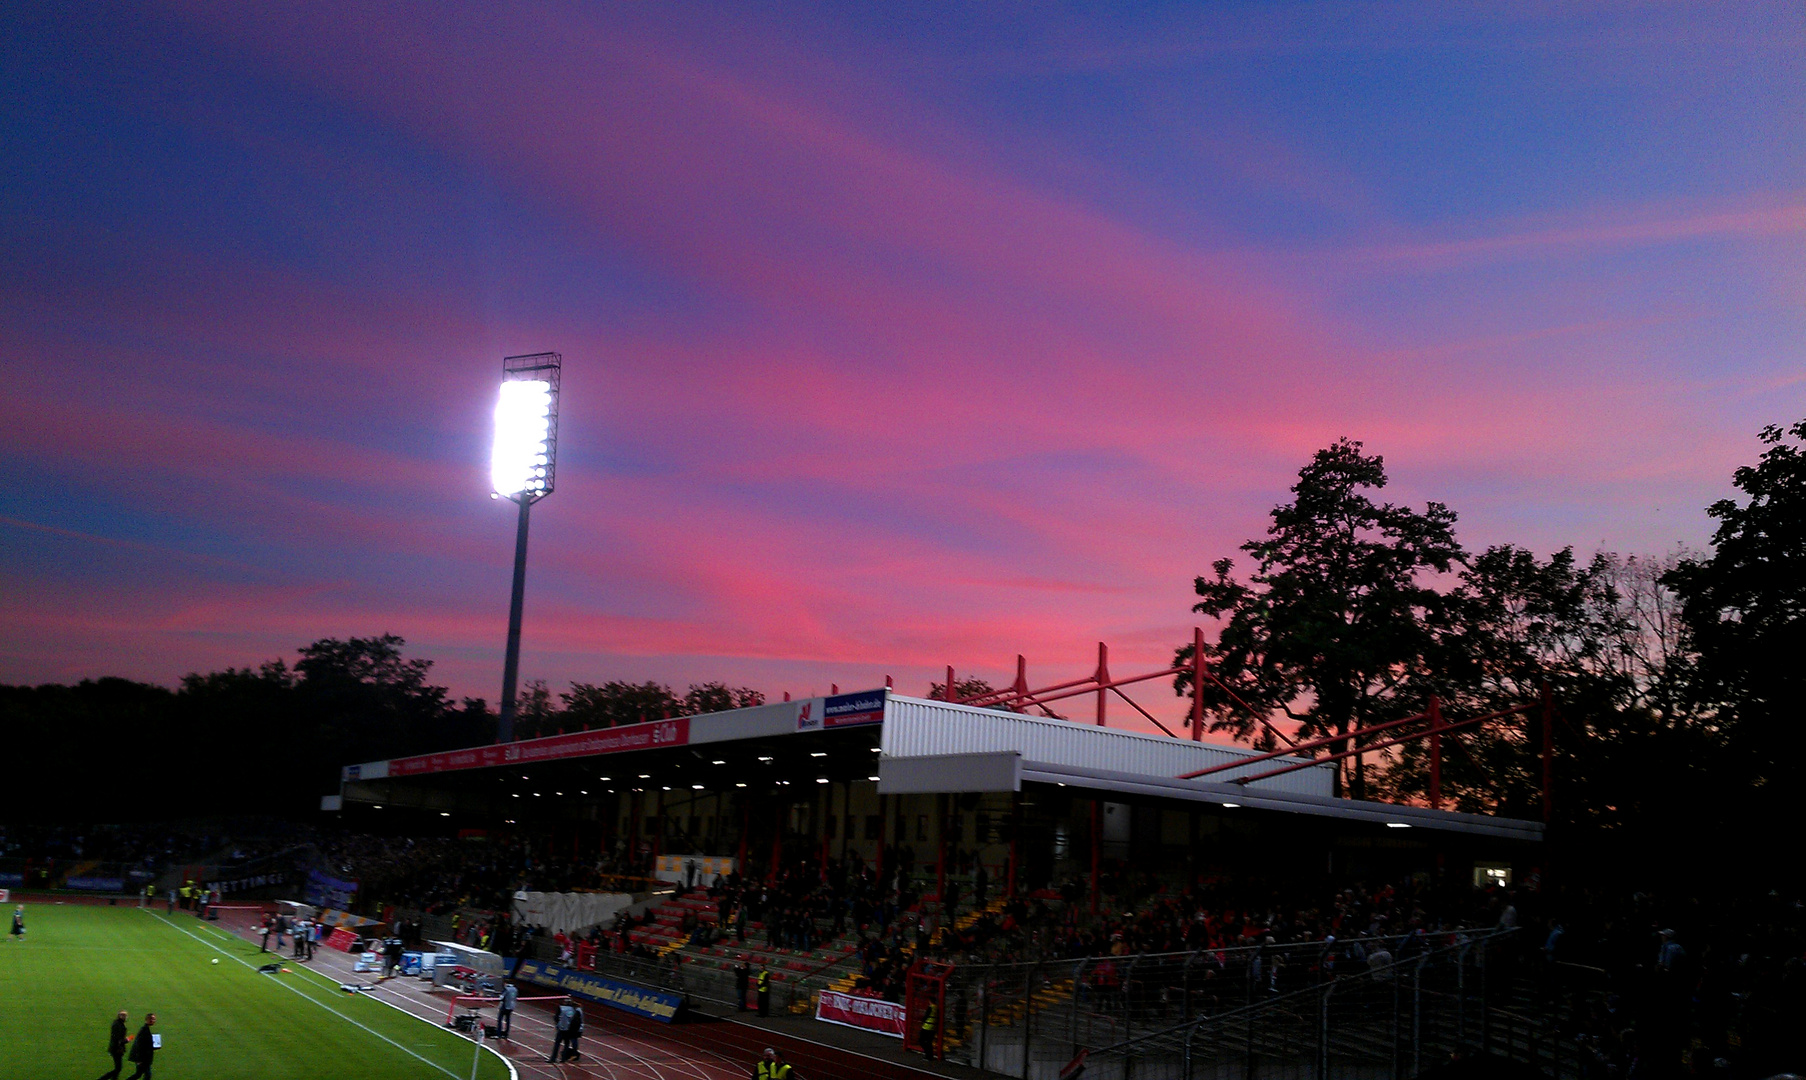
(1369,1008)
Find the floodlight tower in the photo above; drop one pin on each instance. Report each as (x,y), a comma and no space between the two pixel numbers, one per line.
(522,467)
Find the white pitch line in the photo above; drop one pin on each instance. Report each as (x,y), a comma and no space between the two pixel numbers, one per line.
(316,1001)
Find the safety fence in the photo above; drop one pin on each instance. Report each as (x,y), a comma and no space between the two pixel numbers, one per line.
(78,875)
(1372,1008)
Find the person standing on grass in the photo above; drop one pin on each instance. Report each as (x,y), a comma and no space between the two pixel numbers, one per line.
(18,930)
(144,1048)
(116,1044)
(264,946)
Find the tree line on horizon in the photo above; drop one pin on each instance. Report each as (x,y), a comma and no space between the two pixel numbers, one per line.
(1676,678)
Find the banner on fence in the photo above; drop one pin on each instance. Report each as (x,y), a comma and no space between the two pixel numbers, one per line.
(654,1004)
(96,884)
(851,1010)
(324,891)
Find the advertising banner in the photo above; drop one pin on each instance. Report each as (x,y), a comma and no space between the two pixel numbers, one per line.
(96,884)
(659,1005)
(692,869)
(329,892)
(15,880)
(870,1014)
(846,710)
(649,736)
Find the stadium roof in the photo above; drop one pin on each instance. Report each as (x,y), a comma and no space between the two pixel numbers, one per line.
(923,746)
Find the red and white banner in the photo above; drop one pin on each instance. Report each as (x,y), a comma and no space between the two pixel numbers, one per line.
(851,1010)
(650,736)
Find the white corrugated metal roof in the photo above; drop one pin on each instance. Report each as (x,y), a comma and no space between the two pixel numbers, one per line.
(915,727)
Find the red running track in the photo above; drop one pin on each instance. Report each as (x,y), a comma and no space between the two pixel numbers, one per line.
(614,1045)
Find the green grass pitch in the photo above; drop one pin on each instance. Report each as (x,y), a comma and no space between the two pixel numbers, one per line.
(79,965)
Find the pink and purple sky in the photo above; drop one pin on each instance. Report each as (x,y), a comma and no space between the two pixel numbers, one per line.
(895,336)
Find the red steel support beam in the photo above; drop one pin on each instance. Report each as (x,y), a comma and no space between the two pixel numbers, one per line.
(1015,831)
(1197,684)
(1331,739)
(777,841)
(940,851)
(883,831)
(1369,748)
(1097,852)
(1435,753)
(1103,679)
(1548,703)
(1312,745)
(1150,716)
(745,831)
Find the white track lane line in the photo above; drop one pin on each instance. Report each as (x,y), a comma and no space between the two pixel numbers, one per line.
(664,1053)
(455,1076)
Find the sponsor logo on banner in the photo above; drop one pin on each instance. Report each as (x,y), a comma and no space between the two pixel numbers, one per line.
(96,884)
(808,717)
(659,1005)
(352,772)
(851,1010)
(615,740)
(14,880)
(845,710)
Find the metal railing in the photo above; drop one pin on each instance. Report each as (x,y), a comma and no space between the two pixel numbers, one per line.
(1313,1011)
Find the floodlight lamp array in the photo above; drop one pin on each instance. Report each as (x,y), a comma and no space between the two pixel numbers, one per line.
(523,462)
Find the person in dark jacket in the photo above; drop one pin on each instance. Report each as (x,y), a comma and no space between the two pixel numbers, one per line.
(742,976)
(568,1028)
(143,1049)
(116,1044)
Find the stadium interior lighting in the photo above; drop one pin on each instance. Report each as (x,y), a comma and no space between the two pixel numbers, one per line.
(1231,805)
(821,779)
(873,779)
(445,813)
(819,753)
(523,468)
(667,787)
(1397,825)
(765,759)
(718,763)
(739,785)
(645,776)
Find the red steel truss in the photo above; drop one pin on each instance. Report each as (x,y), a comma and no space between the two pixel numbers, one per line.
(1018,697)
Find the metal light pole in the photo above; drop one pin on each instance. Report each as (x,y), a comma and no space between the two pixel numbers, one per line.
(523,467)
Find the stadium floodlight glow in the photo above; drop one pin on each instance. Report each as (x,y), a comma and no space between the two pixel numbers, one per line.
(520,462)
(523,468)
(1397,825)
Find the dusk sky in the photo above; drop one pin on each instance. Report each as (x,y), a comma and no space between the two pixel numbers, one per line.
(894,335)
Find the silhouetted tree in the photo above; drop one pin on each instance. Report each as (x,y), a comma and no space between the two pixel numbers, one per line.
(1336,614)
